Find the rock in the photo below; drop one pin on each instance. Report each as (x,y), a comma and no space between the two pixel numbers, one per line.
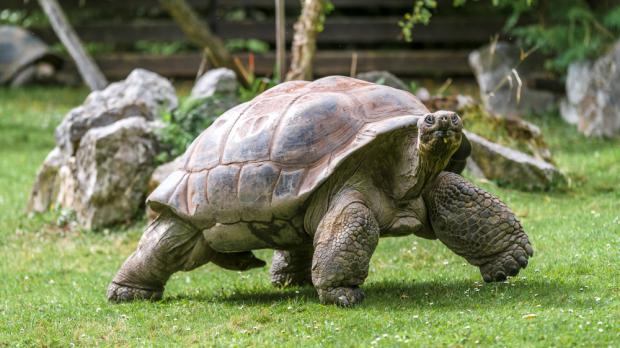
(142,93)
(67,185)
(383,77)
(45,189)
(599,107)
(113,166)
(214,93)
(221,80)
(161,172)
(511,167)
(577,81)
(423,94)
(503,81)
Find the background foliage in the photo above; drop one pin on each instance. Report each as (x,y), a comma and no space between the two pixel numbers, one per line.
(564,30)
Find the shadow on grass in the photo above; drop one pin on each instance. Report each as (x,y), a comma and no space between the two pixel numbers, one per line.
(457,294)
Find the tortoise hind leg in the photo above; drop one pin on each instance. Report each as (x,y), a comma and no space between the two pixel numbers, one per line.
(291,267)
(477,226)
(168,245)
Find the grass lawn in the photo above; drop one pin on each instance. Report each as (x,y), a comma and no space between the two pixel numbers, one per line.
(52,291)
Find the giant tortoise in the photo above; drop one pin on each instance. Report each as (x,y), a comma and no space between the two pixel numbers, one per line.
(24,57)
(319,171)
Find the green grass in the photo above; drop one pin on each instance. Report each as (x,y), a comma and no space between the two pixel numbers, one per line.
(53,284)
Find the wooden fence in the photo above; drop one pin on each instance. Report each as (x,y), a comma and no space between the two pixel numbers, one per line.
(365,28)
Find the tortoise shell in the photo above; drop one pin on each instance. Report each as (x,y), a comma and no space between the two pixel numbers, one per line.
(262,159)
(20,48)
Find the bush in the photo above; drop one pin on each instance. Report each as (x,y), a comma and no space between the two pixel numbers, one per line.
(564,30)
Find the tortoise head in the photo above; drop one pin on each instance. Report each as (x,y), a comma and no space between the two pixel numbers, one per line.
(439,135)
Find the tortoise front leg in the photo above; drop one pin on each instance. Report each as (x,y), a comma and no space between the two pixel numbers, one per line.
(291,267)
(477,226)
(344,242)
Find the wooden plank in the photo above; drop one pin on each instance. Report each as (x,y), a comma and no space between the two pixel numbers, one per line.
(338,30)
(404,63)
(205,4)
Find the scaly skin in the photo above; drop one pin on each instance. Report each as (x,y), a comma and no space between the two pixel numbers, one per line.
(291,267)
(168,245)
(344,242)
(477,226)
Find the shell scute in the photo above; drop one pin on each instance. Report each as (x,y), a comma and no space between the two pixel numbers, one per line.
(315,126)
(222,185)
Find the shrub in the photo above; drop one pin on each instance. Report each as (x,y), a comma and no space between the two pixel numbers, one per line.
(564,30)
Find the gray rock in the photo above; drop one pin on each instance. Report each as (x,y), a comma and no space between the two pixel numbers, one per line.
(423,94)
(599,108)
(45,189)
(569,112)
(383,77)
(221,80)
(113,166)
(503,82)
(142,93)
(577,82)
(67,185)
(214,93)
(511,167)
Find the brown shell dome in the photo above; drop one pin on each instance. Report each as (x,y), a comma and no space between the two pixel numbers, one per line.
(263,158)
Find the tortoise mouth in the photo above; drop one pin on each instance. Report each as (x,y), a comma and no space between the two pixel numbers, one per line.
(445,133)
(440,141)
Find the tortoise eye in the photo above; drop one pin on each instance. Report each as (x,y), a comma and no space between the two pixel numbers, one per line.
(429,119)
(455,119)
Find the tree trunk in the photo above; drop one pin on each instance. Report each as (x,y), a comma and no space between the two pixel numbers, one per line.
(280,40)
(304,40)
(200,34)
(89,71)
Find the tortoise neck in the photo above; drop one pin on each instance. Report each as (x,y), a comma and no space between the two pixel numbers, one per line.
(424,167)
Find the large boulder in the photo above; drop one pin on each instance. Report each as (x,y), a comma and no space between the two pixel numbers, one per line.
(383,77)
(105,152)
(221,80)
(46,186)
(510,167)
(213,94)
(577,81)
(593,95)
(113,166)
(503,81)
(142,93)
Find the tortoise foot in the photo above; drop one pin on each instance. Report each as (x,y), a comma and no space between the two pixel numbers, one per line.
(341,296)
(121,293)
(286,280)
(507,263)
